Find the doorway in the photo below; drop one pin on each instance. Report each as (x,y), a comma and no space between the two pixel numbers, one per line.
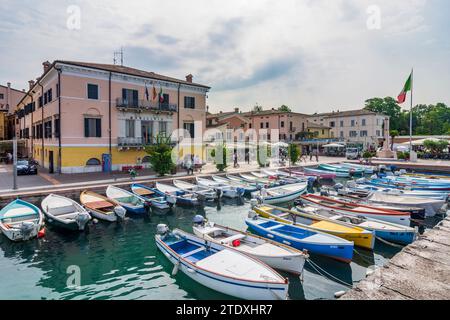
(51,166)
(147,132)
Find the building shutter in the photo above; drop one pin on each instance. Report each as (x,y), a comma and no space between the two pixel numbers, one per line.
(98,127)
(135,97)
(86,127)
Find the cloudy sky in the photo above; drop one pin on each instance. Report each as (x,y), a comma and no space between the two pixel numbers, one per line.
(313,55)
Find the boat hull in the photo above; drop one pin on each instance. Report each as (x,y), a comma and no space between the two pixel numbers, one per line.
(231,287)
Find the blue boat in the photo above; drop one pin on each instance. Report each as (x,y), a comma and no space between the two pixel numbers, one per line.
(155,199)
(383,182)
(183,198)
(132,203)
(302,238)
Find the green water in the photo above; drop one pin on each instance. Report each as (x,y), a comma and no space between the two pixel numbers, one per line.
(121,261)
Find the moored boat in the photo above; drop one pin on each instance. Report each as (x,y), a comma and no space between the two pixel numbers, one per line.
(101,207)
(201,192)
(359,236)
(387,231)
(21,220)
(227,190)
(64,213)
(280,194)
(183,198)
(349,208)
(132,203)
(340,169)
(151,197)
(366,169)
(323,174)
(248,187)
(274,254)
(302,238)
(220,268)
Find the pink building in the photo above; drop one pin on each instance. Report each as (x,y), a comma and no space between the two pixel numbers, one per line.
(9,98)
(80,115)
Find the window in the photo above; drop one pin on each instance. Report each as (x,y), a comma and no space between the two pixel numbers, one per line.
(49,95)
(57,128)
(363,133)
(249,125)
(261,125)
(93,162)
(353,123)
(2,96)
(48,130)
(163,128)
(92,127)
(323,132)
(282,124)
(92,91)
(45,98)
(363,122)
(190,128)
(40,102)
(267,125)
(342,123)
(332,124)
(129,128)
(189,102)
(130,98)
(165,103)
(291,125)
(378,133)
(353,134)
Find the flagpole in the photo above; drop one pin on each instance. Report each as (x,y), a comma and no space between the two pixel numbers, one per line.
(410,114)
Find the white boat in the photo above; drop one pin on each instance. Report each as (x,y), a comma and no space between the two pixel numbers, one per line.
(21,220)
(128,200)
(220,268)
(101,207)
(255,180)
(65,213)
(227,190)
(367,169)
(431,206)
(287,177)
(205,193)
(182,197)
(249,188)
(280,194)
(274,254)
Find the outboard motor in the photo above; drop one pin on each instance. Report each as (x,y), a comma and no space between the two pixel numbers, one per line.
(26,229)
(299,203)
(253,215)
(402,172)
(219,193)
(324,193)
(162,229)
(120,212)
(82,219)
(338,186)
(199,220)
(171,200)
(253,203)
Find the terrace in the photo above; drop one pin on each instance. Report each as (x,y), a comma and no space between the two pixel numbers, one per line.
(144,105)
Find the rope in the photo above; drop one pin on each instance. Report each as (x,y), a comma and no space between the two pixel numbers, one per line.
(389,243)
(363,257)
(317,268)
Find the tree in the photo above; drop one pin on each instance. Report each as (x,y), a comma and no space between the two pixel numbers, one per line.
(161,155)
(221,163)
(436,147)
(284,108)
(257,108)
(294,153)
(393,134)
(387,106)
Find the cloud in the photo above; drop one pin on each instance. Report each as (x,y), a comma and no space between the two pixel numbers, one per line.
(314,55)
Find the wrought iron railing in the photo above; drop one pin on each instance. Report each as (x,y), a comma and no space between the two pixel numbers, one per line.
(146,105)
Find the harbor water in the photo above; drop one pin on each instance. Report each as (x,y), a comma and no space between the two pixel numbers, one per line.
(121,261)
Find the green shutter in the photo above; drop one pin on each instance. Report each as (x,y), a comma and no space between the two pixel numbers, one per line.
(98,127)
(86,127)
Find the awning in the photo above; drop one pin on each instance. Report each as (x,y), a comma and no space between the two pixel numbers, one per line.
(334,145)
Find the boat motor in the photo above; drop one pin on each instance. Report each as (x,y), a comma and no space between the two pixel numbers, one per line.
(338,186)
(253,203)
(120,212)
(299,203)
(324,193)
(199,220)
(26,229)
(162,229)
(402,171)
(252,215)
(82,219)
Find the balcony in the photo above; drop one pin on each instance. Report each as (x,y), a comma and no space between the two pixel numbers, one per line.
(144,105)
(136,143)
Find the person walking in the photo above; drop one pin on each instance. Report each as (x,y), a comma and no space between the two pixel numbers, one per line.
(189,165)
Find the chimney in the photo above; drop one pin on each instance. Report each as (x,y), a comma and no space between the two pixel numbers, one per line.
(189,78)
(236,110)
(46,65)
(207,108)
(9,84)
(31,82)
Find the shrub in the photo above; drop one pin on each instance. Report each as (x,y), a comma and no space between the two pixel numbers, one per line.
(294,153)
(160,155)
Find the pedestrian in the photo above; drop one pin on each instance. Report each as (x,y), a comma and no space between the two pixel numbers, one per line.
(317,155)
(188,165)
(310,155)
(235,159)
(247,157)
(8,158)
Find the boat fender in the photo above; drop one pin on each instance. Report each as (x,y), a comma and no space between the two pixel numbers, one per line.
(339,294)
(41,233)
(94,221)
(120,212)
(236,243)
(253,215)
(175,268)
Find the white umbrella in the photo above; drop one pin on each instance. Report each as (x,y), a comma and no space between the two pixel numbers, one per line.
(334,145)
(281,144)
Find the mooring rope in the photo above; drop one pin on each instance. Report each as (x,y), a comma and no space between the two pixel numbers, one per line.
(389,243)
(318,269)
(362,256)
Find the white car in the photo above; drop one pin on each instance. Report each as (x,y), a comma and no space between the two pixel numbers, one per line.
(352,153)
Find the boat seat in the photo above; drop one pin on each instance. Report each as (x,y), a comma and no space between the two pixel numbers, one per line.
(60,211)
(67,216)
(99,205)
(192,252)
(275,227)
(233,238)
(144,192)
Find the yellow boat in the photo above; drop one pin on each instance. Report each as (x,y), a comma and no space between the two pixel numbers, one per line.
(361,237)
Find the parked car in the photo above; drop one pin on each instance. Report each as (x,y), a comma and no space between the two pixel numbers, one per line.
(352,153)
(26,167)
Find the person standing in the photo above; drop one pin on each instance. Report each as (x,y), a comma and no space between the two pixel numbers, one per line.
(9,158)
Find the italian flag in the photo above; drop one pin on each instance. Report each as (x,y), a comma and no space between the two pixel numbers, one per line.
(161,95)
(408,85)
